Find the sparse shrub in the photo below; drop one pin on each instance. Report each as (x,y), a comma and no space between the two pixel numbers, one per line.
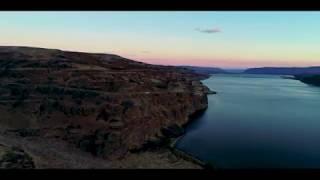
(127,104)
(79,101)
(43,89)
(98,102)
(23,81)
(114,87)
(15,89)
(50,78)
(47,89)
(56,104)
(20,92)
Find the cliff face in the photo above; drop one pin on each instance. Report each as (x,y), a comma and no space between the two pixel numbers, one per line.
(100,103)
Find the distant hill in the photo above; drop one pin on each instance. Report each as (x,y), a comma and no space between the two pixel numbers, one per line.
(284,70)
(234,71)
(204,70)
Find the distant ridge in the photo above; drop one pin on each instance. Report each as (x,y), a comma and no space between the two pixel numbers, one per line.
(284,70)
(204,70)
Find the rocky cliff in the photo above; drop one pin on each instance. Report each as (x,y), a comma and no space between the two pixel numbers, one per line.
(103,104)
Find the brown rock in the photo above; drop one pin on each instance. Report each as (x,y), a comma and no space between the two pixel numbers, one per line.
(118,103)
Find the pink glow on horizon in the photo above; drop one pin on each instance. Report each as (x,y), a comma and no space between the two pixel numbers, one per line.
(224,63)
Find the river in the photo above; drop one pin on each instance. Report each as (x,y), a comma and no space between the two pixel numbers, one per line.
(257,121)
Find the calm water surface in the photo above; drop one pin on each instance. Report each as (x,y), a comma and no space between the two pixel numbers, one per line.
(257,121)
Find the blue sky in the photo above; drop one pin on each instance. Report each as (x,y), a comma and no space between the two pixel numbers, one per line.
(237,39)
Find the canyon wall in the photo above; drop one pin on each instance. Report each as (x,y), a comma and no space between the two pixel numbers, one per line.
(103,104)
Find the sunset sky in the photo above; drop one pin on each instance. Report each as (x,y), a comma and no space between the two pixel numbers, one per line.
(219,39)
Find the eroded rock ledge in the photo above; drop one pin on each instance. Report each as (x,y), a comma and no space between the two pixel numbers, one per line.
(103,104)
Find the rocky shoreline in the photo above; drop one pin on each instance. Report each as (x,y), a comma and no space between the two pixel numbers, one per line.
(186,156)
(183,154)
(105,110)
(177,133)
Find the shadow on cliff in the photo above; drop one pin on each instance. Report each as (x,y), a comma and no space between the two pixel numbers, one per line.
(193,118)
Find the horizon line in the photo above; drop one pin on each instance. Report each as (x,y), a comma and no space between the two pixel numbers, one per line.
(137,60)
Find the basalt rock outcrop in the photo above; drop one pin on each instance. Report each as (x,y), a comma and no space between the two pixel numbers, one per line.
(103,104)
